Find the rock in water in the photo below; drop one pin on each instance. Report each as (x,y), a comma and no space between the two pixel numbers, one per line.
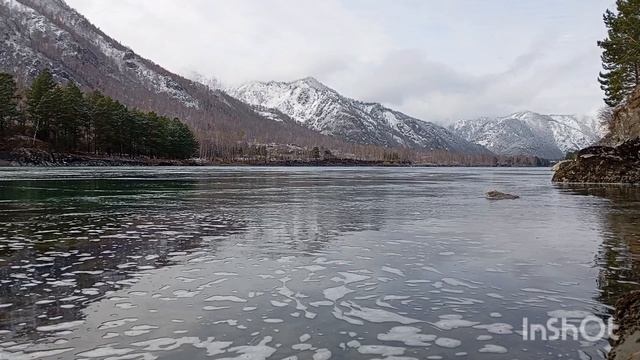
(602,164)
(497,195)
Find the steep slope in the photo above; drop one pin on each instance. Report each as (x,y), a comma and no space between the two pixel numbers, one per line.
(529,133)
(321,108)
(625,121)
(38,34)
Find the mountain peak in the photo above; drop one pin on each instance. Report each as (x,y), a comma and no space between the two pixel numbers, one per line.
(524,114)
(531,133)
(313,83)
(318,107)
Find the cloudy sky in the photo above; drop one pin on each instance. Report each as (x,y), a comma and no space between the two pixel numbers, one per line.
(439,60)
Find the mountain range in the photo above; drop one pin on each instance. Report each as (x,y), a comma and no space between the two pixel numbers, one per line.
(39,34)
(321,108)
(529,133)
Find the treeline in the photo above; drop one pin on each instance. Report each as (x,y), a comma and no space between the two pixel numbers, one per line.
(68,120)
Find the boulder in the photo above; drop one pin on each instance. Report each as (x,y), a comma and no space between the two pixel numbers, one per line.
(497,195)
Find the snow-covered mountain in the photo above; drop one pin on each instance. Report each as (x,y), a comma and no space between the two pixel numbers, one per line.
(48,34)
(529,133)
(321,108)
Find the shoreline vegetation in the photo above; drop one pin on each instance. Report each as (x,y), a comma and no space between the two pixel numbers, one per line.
(25,157)
(52,124)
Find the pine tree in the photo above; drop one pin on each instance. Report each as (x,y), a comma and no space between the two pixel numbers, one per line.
(621,52)
(41,86)
(49,115)
(74,116)
(8,102)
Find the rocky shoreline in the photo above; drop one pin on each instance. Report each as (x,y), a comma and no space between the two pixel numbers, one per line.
(602,164)
(627,335)
(39,157)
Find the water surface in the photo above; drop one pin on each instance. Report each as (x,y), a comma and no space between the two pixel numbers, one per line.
(256,263)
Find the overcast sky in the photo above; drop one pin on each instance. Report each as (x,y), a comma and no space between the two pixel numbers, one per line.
(437,60)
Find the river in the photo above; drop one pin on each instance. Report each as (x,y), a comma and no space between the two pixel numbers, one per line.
(257,263)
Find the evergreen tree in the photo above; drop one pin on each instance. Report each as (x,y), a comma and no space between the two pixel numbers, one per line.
(40,88)
(73,116)
(49,116)
(621,52)
(183,143)
(68,120)
(8,102)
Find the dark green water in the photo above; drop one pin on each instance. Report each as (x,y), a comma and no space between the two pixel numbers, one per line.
(256,263)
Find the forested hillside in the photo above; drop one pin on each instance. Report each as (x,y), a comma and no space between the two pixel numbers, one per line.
(62,118)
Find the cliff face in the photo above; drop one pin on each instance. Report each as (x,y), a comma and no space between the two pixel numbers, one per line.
(626,122)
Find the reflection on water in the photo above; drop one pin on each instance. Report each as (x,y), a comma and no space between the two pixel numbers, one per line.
(619,256)
(341,263)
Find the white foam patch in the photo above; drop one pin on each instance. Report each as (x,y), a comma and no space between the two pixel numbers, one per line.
(393,271)
(453,322)
(432,269)
(409,335)
(381,350)
(253,352)
(226,298)
(313,268)
(168,344)
(273,321)
(495,296)
(185,293)
(104,351)
(322,354)
(534,290)
(336,293)
(377,315)
(61,326)
(448,342)
(33,354)
(456,282)
(493,349)
(569,314)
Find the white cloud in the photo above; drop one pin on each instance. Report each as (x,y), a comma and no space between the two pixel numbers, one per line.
(436,60)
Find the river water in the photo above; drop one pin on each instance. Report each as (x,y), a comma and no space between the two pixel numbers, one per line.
(307,263)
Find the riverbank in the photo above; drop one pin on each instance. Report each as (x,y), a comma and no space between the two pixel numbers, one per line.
(627,316)
(602,164)
(39,157)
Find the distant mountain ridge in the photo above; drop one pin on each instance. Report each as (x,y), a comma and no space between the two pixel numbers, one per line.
(529,133)
(321,108)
